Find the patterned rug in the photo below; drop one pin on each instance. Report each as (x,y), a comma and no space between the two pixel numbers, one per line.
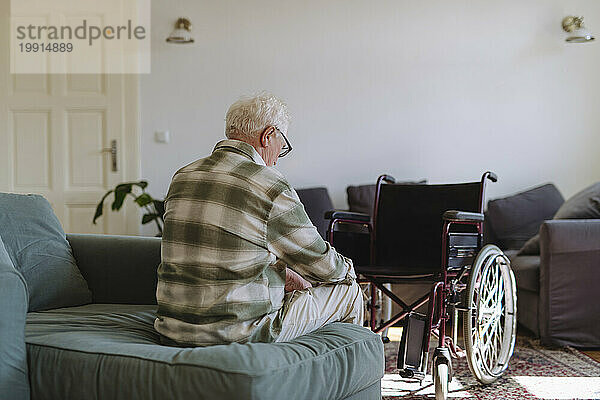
(534,372)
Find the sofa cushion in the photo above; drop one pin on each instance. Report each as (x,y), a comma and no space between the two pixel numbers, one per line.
(38,248)
(113,352)
(527,272)
(362,198)
(583,205)
(531,247)
(316,202)
(515,219)
(14,382)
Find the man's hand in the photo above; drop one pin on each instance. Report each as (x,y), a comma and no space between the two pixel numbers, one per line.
(293,281)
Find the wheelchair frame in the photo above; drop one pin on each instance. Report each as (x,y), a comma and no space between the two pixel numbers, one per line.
(445,292)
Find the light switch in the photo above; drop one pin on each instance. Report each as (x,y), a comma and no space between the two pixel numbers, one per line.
(162,136)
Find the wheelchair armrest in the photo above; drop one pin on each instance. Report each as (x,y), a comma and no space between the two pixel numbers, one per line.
(348,215)
(462,216)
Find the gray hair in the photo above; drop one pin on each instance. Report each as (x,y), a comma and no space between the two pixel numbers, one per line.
(250,115)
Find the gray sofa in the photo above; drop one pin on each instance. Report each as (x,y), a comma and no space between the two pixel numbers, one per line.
(557,291)
(557,288)
(108,349)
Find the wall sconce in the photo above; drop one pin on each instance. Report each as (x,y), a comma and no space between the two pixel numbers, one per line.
(577,32)
(182,32)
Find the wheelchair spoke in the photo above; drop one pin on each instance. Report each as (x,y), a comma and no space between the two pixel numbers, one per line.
(491,351)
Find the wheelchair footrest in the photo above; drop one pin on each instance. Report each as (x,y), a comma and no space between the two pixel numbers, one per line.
(409,373)
(411,352)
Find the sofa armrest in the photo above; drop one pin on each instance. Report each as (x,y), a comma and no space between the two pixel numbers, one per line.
(571,235)
(569,282)
(14,301)
(118,269)
(462,216)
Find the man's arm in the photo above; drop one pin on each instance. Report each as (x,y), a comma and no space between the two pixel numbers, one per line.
(294,239)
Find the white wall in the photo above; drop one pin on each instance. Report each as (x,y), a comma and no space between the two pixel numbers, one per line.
(433,89)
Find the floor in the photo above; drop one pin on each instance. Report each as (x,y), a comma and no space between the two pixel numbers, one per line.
(536,372)
(395,333)
(594,354)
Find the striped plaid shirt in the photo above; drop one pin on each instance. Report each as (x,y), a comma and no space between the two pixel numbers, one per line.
(232,225)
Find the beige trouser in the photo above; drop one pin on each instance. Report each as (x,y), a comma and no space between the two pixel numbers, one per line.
(310,309)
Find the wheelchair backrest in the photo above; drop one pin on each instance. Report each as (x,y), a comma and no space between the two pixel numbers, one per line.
(408,222)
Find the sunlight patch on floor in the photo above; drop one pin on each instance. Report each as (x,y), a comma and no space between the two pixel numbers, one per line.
(551,387)
(394,334)
(395,385)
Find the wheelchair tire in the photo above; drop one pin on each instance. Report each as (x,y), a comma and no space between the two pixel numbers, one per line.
(440,381)
(491,317)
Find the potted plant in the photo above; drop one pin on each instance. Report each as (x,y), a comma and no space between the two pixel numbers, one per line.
(154,208)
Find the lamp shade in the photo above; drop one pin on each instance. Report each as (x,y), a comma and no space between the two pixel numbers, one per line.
(182,32)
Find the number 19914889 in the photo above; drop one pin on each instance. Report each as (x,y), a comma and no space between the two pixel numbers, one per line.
(46,47)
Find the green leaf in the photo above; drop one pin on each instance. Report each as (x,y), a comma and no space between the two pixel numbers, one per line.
(100,207)
(142,184)
(120,194)
(98,213)
(128,186)
(124,187)
(144,199)
(159,205)
(149,218)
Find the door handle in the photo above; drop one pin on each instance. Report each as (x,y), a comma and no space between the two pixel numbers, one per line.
(113,154)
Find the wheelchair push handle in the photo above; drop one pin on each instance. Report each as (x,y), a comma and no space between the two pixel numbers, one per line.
(490,175)
(386,179)
(486,175)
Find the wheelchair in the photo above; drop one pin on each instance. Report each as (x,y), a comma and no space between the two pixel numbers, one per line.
(421,233)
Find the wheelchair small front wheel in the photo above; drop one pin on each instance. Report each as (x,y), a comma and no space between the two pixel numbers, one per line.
(491,317)
(440,380)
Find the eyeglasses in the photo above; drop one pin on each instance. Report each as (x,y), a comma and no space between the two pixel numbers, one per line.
(285,150)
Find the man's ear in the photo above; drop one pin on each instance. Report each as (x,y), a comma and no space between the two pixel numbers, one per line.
(266,135)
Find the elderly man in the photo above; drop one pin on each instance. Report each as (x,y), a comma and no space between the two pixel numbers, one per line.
(241,261)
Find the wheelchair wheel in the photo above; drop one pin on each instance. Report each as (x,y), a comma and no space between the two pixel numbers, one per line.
(440,381)
(490,321)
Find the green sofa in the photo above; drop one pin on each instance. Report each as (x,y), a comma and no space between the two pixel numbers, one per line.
(109,349)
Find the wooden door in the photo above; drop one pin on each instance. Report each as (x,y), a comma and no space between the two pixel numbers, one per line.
(70,138)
